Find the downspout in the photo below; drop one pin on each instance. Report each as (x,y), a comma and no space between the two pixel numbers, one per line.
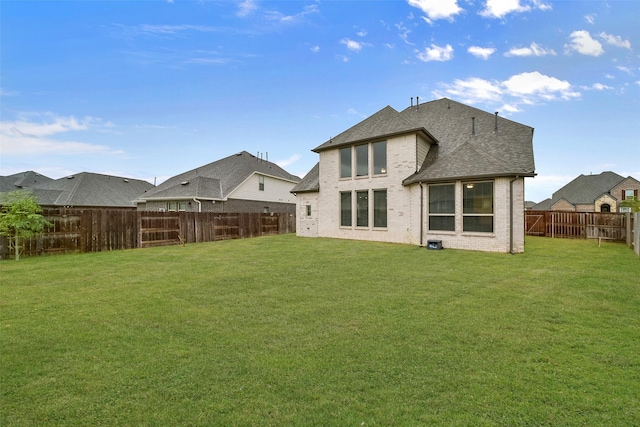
(511,214)
(421,214)
(199,204)
(195,222)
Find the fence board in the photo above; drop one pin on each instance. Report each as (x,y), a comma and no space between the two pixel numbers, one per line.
(576,225)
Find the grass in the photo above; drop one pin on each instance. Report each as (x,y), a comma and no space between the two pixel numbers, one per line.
(295,331)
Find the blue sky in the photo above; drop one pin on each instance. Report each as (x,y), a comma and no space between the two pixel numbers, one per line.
(149,89)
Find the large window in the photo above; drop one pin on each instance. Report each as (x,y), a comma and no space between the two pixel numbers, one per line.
(362,160)
(345,209)
(261,182)
(379,157)
(442,207)
(477,207)
(362,208)
(379,208)
(345,162)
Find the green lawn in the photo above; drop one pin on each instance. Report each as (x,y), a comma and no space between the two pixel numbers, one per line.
(296,331)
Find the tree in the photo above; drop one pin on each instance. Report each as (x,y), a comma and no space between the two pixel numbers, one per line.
(631,202)
(20,218)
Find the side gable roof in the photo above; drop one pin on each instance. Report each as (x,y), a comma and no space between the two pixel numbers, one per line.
(27,179)
(310,182)
(218,179)
(585,189)
(385,123)
(91,189)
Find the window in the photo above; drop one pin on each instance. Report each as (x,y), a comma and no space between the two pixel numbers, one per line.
(261,182)
(362,208)
(362,160)
(172,206)
(345,162)
(308,210)
(182,206)
(265,209)
(477,207)
(379,157)
(442,207)
(627,194)
(345,209)
(379,208)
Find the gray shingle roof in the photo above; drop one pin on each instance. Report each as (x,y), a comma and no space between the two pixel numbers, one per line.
(310,182)
(462,153)
(585,189)
(20,180)
(91,189)
(217,179)
(385,123)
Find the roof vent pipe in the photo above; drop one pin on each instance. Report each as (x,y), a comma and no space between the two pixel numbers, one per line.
(417,102)
(496,127)
(473,125)
(412,101)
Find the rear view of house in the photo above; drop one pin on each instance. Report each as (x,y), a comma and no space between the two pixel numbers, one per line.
(440,171)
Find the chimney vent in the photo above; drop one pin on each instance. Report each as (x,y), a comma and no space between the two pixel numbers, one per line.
(417,102)
(473,125)
(496,127)
(412,101)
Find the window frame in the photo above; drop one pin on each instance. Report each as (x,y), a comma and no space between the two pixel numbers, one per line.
(443,212)
(260,182)
(379,214)
(308,207)
(475,211)
(362,208)
(346,163)
(362,160)
(346,209)
(379,169)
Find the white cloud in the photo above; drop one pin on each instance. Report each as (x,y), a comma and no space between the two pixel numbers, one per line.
(436,53)
(591,19)
(520,89)
(286,162)
(24,136)
(481,52)
(597,86)
(582,42)
(315,49)
(437,9)
(247,7)
(533,50)
(501,8)
(352,45)
(291,19)
(615,40)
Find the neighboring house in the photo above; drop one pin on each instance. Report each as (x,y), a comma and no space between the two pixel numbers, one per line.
(440,170)
(22,180)
(90,190)
(593,193)
(238,183)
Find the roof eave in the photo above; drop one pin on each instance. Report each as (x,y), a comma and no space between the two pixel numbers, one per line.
(376,138)
(413,180)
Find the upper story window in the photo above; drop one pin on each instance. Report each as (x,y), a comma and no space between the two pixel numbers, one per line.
(362,160)
(261,182)
(363,167)
(627,194)
(379,157)
(477,207)
(345,162)
(442,207)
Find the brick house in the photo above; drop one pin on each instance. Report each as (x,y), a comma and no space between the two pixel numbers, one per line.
(238,183)
(437,171)
(593,193)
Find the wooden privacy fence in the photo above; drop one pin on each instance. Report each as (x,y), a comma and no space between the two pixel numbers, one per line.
(585,225)
(96,230)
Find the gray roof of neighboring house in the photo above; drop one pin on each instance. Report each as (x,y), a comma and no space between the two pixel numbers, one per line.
(91,189)
(21,180)
(310,182)
(585,189)
(458,151)
(216,180)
